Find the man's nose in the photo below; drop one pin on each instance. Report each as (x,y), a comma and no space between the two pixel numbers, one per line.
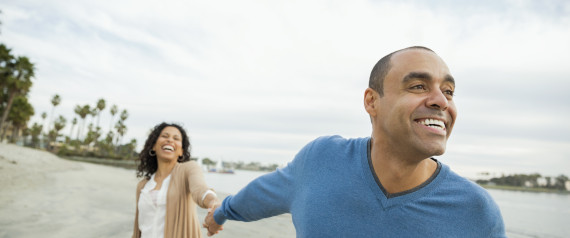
(437,100)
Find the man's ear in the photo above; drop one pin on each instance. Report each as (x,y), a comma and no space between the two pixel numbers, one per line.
(370,96)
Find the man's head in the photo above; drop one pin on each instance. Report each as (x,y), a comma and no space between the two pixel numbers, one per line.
(381,68)
(410,102)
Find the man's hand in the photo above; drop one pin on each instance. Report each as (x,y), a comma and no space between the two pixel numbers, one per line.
(209,222)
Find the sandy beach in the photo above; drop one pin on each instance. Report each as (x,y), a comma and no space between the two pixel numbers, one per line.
(46,196)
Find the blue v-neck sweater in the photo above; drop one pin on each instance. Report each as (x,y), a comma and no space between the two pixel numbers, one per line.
(331,191)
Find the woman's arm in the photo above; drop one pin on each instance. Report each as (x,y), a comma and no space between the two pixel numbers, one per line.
(197,187)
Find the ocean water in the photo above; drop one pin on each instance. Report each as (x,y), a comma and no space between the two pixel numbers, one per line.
(528,214)
(525,214)
(231,183)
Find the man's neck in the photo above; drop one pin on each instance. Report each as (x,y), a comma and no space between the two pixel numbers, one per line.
(399,172)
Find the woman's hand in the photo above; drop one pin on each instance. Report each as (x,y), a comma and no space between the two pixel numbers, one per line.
(209,222)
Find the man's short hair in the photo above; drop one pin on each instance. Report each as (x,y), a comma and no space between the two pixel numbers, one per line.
(381,69)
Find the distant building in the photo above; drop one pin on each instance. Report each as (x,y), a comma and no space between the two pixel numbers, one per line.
(553,181)
(567,185)
(542,182)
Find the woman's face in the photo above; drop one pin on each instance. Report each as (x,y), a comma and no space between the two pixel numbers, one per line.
(168,146)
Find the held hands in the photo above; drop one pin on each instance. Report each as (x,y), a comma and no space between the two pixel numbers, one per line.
(209,222)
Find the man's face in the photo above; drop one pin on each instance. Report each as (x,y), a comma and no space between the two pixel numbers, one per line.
(417,112)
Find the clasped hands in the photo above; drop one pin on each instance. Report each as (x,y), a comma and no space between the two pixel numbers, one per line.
(209,222)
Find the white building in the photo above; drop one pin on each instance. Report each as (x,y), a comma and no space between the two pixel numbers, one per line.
(567,185)
(541,182)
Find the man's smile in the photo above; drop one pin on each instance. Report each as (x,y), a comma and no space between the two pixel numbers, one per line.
(436,124)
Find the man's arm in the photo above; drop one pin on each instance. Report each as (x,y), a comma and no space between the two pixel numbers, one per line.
(269,195)
(266,196)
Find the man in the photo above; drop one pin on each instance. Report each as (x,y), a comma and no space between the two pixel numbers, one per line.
(387,185)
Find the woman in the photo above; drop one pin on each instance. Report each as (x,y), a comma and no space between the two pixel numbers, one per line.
(171,187)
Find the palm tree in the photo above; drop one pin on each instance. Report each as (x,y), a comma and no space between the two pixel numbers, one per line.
(89,137)
(6,58)
(77,111)
(121,127)
(44,116)
(6,70)
(121,130)
(124,115)
(19,116)
(114,110)
(82,112)
(35,131)
(55,100)
(58,124)
(17,79)
(85,111)
(25,133)
(92,113)
(73,123)
(100,107)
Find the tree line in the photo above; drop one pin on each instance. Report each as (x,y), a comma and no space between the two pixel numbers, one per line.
(528,180)
(86,136)
(253,166)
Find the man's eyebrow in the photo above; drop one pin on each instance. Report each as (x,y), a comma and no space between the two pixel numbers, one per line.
(450,79)
(416,75)
(426,77)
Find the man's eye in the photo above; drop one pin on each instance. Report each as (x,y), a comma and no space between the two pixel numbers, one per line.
(419,86)
(449,92)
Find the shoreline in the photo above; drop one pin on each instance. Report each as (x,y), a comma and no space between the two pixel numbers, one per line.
(46,196)
(524,189)
(129,164)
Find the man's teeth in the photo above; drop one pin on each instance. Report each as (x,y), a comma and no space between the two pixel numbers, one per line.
(433,123)
(168,147)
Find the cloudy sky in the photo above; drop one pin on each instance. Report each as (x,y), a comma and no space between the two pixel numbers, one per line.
(257,80)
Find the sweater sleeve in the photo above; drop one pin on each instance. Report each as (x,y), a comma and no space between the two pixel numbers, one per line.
(136,231)
(269,195)
(196,183)
(266,196)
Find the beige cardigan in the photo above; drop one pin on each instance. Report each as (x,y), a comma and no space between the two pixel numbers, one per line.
(185,190)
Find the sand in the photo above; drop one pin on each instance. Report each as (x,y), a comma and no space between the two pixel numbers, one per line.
(43,195)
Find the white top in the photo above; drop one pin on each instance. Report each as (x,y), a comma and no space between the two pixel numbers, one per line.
(152,208)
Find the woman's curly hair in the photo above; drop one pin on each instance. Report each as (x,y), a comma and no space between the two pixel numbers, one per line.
(147,164)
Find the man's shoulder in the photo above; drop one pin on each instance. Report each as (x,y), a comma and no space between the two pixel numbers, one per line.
(473,199)
(332,140)
(468,190)
(330,148)
(463,182)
